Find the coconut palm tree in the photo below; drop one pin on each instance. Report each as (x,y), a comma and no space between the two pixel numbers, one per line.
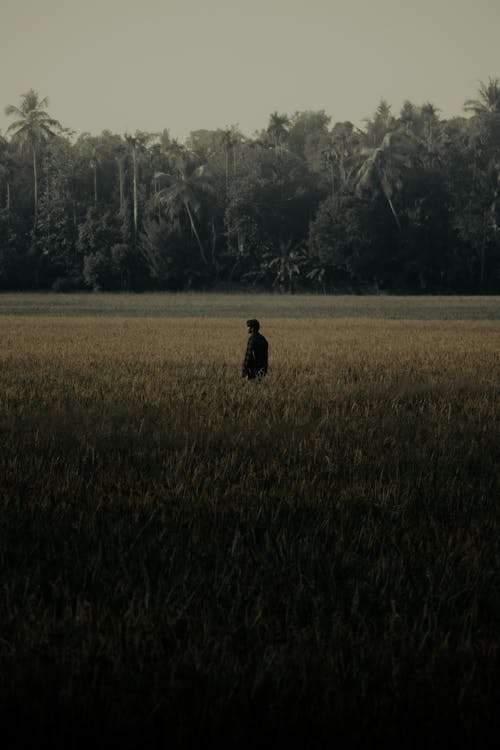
(228,141)
(381,123)
(185,187)
(137,145)
(120,155)
(487,162)
(6,171)
(383,169)
(89,146)
(278,130)
(409,116)
(489,99)
(339,154)
(430,121)
(32,126)
(95,160)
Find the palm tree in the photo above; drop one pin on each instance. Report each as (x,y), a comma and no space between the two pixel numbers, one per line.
(489,99)
(94,162)
(120,154)
(487,170)
(228,141)
(32,126)
(91,153)
(278,130)
(185,186)
(430,120)
(138,145)
(381,123)
(6,170)
(338,152)
(383,169)
(409,116)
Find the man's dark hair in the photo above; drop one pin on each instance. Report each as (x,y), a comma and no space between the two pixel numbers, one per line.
(253,323)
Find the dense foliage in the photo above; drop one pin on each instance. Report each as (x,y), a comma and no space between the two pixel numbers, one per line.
(409,203)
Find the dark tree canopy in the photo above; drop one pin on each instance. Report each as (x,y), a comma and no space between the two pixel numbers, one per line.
(408,203)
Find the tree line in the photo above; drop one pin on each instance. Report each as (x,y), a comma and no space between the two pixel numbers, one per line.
(408,203)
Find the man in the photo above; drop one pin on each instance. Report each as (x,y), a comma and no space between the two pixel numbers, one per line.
(255,362)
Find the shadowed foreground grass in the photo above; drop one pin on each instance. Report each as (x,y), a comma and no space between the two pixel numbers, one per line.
(191,559)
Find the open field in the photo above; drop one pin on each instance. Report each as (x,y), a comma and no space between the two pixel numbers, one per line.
(267,306)
(188,557)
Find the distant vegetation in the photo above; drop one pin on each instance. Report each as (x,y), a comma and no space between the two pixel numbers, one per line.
(408,203)
(205,562)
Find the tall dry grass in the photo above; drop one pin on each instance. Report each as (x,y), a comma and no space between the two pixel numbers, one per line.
(192,558)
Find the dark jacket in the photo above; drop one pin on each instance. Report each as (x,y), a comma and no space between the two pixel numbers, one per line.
(255,362)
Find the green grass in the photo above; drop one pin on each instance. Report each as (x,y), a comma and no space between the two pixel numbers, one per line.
(239,305)
(190,559)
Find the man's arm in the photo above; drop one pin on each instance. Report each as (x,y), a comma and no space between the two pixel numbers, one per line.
(249,359)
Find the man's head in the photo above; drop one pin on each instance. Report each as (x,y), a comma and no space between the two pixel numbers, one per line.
(253,325)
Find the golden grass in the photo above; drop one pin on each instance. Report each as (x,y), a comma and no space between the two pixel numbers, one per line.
(186,553)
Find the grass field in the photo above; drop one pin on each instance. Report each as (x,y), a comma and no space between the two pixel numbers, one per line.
(189,559)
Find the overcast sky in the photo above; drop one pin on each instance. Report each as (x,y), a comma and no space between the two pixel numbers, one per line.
(124,65)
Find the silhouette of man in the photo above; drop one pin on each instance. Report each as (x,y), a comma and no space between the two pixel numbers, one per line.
(255,362)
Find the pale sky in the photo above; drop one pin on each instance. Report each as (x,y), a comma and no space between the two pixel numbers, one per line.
(127,65)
